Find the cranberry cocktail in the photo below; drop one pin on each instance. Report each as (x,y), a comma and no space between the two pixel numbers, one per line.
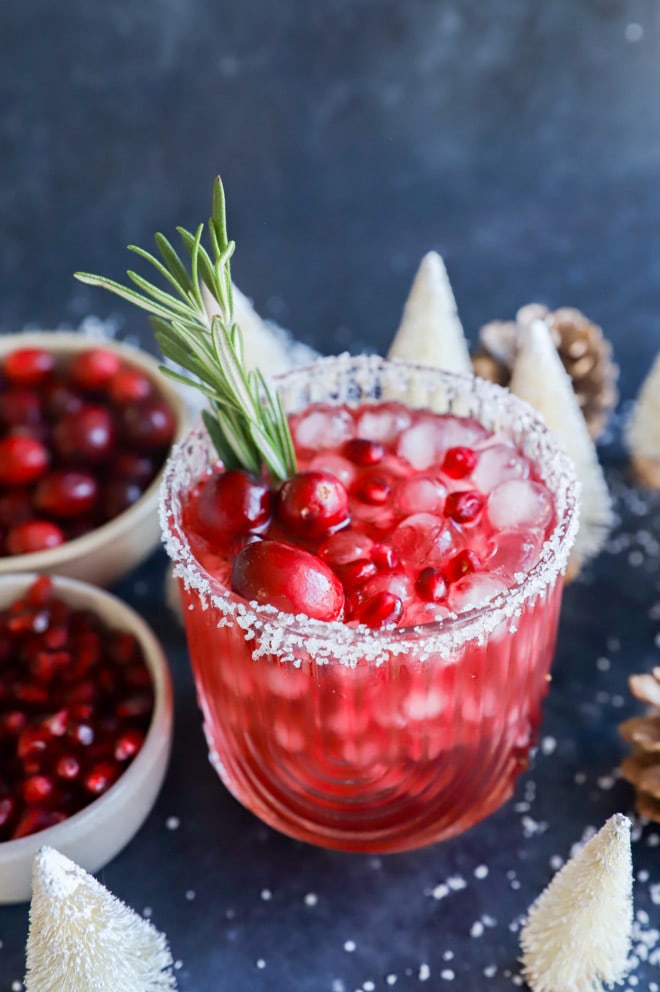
(371,640)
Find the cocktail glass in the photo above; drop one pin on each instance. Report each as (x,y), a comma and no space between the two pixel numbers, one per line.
(375,740)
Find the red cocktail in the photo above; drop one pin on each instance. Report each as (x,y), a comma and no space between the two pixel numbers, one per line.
(377,732)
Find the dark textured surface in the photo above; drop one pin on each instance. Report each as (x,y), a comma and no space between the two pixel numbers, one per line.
(520,139)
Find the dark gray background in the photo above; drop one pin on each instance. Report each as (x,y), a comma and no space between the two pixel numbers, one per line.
(521,139)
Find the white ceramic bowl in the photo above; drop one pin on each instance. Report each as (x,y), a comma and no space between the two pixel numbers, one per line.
(106,553)
(97,833)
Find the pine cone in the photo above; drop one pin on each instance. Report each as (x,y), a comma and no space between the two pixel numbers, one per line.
(583,349)
(642,767)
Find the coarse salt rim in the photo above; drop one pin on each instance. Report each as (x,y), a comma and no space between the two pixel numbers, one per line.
(354,381)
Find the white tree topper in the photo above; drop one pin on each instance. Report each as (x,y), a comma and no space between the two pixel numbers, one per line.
(643,430)
(431,332)
(83,939)
(577,935)
(540,379)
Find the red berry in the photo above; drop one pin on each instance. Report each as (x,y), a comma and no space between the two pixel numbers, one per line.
(28,366)
(128,745)
(34,535)
(372,488)
(67,767)
(231,504)
(22,460)
(287,578)
(354,573)
(149,424)
(129,385)
(19,408)
(136,467)
(37,818)
(15,507)
(66,494)
(12,723)
(464,507)
(7,810)
(431,584)
(311,504)
(86,435)
(363,452)
(459,462)
(60,399)
(37,789)
(383,608)
(102,775)
(118,495)
(462,563)
(385,557)
(92,370)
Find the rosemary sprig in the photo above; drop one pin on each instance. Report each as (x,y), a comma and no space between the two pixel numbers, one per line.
(245,419)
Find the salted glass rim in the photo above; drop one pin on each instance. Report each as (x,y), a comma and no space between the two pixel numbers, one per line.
(289,636)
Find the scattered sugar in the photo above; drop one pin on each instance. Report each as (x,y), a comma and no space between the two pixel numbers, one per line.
(516,980)
(190,894)
(634,32)
(424,973)
(173,823)
(490,971)
(635,558)
(338,985)
(556,862)
(481,871)
(260,963)
(579,778)
(311,899)
(488,921)
(448,956)
(605,782)
(523,807)
(654,891)
(456,883)
(532,827)
(266,895)
(653,840)
(477,929)
(230,913)
(642,875)
(603,664)
(368,986)
(440,891)
(349,946)
(618,700)
(16,986)
(447,975)
(147,912)
(178,964)
(613,644)
(390,979)
(548,745)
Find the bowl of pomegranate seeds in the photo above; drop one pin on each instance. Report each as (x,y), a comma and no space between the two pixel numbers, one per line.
(85,724)
(85,428)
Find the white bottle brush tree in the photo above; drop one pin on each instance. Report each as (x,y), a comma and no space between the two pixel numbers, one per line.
(83,939)
(643,431)
(540,378)
(578,932)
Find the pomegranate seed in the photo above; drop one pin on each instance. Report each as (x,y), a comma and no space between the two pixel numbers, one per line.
(7,810)
(464,507)
(37,789)
(87,435)
(431,584)
(363,452)
(81,733)
(34,535)
(354,573)
(383,608)
(56,724)
(66,494)
(135,706)
(129,385)
(122,647)
(288,578)
(28,366)
(150,424)
(385,557)
(32,742)
(27,692)
(92,370)
(12,723)
(22,460)
(462,563)
(459,462)
(232,503)
(67,767)
(40,592)
(372,488)
(37,818)
(128,745)
(101,777)
(19,408)
(311,504)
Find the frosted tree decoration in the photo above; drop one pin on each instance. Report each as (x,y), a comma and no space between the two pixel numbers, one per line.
(82,938)
(431,332)
(643,431)
(577,935)
(540,378)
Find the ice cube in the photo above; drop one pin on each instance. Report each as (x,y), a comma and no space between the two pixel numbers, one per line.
(384,423)
(327,461)
(323,427)
(498,464)
(424,704)
(288,736)
(514,551)
(346,545)
(420,494)
(418,612)
(520,503)
(475,590)
(417,444)
(422,538)
(425,442)
(397,583)
(453,432)
(286,681)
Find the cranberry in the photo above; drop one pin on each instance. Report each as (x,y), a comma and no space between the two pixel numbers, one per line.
(60,400)
(288,578)
(93,369)
(372,488)
(86,435)
(28,366)
(150,424)
(118,495)
(464,507)
(431,584)
(363,452)
(33,536)
(19,408)
(15,507)
(129,385)
(232,503)
(311,504)
(22,460)
(66,494)
(459,462)
(137,468)
(382,609)
(462,563)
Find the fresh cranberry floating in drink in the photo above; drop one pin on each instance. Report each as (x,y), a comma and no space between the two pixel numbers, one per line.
(58,754)
(370,659)
(83,434)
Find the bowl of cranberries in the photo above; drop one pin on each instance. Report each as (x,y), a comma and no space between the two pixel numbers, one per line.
(85,428)
(85,724)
